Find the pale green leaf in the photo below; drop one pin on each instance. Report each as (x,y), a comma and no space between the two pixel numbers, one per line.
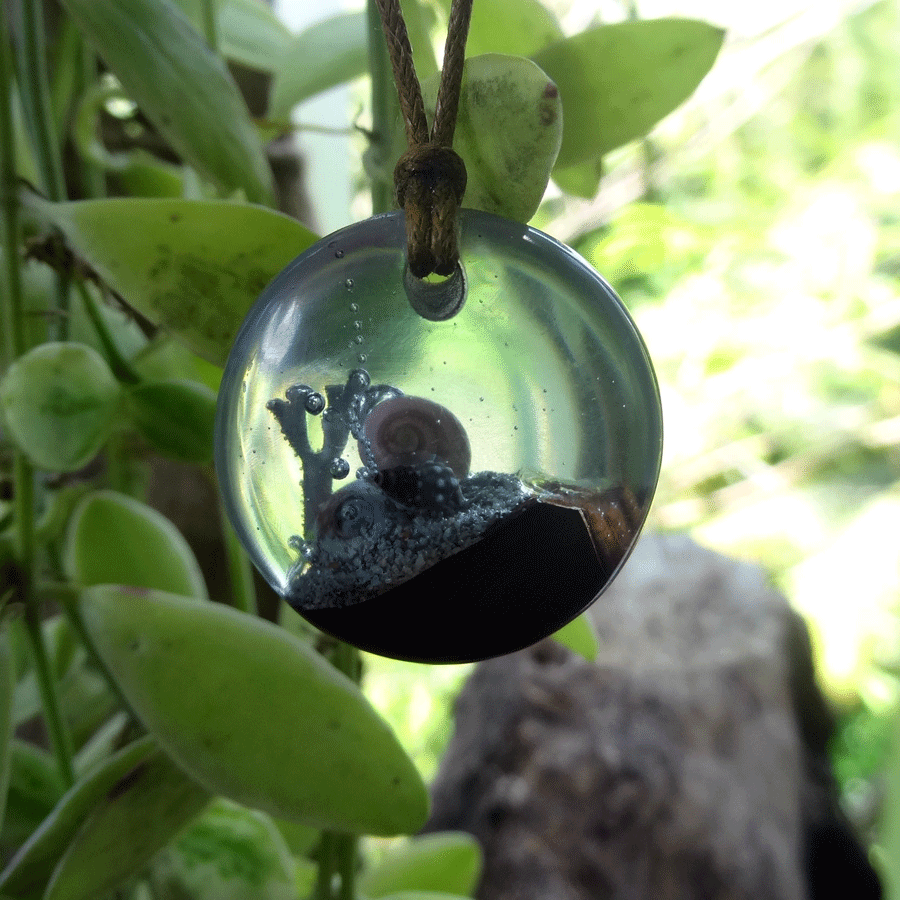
(448,862)
(581,180)
(59,401)
(132,822)
(176,416)
(508,131)
(115,539)
(254,714)
(514,27)
(617,81)
(324,55)
(29,869)
(182,87)
(579,636)
(249,32)
(35,786)
(229,853)
(193,266)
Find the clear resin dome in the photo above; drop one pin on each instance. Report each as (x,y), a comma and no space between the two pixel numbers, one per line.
(445,484)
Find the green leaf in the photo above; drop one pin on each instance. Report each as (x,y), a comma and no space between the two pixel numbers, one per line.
(249,31)
(84,698)
(102,743)
(514,27)
(301,839)
(132,822)
(251,34)
(448,862)
(508,131)
(86,701)
(254,714)
(34,774)
(182,87)
(617,81)
(229,853)
(195,267)
(115,539)
(35,787)
(579,636)
(38,293)
(29,870)
(7,686)
(59,401)
(176,417)
(165,358)
(581,180)
(324,55)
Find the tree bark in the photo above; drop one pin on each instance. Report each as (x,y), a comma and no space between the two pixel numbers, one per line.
(688,761)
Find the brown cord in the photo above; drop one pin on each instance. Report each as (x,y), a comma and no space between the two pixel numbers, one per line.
(430,178)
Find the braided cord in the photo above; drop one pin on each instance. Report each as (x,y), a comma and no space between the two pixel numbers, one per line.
(430,178)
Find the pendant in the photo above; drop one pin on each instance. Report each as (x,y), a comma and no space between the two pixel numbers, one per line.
(439,471)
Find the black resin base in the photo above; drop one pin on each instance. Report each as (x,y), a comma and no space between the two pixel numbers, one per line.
(544,569)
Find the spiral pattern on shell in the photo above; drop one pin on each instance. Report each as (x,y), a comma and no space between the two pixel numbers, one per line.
(358,508)
(409,431)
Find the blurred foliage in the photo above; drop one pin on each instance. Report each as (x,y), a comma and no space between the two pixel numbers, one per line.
(757,243)
(764,275)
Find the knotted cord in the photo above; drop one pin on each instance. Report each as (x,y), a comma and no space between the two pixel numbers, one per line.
(430,178)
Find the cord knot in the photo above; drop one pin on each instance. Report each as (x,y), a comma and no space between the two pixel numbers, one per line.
(430,181)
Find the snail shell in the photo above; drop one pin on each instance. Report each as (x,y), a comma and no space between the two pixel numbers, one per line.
(359,508)
(409,431)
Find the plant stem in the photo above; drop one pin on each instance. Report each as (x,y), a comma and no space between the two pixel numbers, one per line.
(93,179)
(56,729)
(385,107)
(14,345)
(243,593)
(346,865)
(34,86)
(327,862)
(339,849)
(34,90)
(13,312)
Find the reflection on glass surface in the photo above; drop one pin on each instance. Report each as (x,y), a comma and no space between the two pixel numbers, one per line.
(474,480)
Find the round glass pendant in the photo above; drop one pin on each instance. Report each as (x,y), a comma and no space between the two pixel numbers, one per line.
(439,472)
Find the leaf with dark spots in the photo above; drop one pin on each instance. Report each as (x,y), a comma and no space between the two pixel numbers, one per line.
(508,132)
(195,267)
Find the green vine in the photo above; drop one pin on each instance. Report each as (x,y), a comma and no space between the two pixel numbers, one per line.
(23,473)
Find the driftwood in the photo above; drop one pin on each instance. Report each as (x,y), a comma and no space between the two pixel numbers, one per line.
(688,762)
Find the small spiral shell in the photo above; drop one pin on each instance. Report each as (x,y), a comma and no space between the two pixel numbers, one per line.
(356,509)
(409,431)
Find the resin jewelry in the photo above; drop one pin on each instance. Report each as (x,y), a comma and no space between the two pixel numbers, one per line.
(439,471)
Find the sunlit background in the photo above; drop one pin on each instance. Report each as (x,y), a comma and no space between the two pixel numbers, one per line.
(755,236)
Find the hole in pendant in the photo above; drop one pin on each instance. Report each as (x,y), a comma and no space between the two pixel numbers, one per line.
(435,297)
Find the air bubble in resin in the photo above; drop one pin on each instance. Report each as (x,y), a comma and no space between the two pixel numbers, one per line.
(503,457)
